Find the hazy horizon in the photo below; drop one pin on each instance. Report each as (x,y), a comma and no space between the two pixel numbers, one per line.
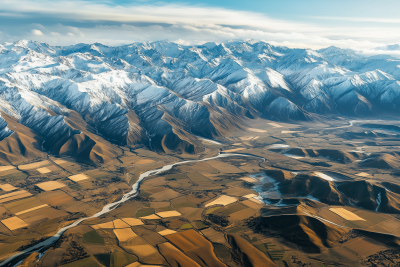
(360,25)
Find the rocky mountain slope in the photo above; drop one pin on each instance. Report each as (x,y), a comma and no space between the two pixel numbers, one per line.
(83,98)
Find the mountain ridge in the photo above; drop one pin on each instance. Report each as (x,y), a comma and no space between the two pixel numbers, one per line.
(139,93)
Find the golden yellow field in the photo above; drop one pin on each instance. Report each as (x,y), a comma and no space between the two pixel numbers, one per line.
(150,217)
(6,168)
(250,196)
(222,200)
(51,185)
(34,165)
(14,195)
(31,209)
(78,177)
(347,215)
(124,234)
(167,232)
(256,201)
(14,223)
(7,187)
(107,225)
(120,224)
(132,221)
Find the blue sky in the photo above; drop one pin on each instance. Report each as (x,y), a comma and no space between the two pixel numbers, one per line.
(295,23)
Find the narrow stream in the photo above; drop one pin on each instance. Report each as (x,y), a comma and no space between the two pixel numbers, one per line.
(15,259)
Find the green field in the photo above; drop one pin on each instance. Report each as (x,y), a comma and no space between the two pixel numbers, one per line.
(93,237)
(199,225)
(104,259)
(144,194)
(144,212)
(121,259)
(197,178)
(168,208)
(357,224)
(211,210)
(186,226)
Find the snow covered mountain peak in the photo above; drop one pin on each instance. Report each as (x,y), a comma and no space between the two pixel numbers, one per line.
(142,93)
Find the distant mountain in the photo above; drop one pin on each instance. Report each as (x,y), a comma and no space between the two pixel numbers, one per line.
(394,47)
(84,99)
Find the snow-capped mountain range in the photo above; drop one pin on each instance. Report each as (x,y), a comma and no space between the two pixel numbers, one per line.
(163,94)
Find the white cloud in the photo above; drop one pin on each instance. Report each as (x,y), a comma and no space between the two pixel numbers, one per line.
(186,24)
(365,19)
(37,32)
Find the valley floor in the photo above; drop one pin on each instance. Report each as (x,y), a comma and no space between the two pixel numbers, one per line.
(317,194)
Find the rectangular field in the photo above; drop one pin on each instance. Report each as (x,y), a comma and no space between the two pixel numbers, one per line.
(222,200)
(14,196)
(78,177)
(7,187)
(124,234)
(51,185)
(23,204)
(107,225)
(167,232)
(14,223)
(35,165)
(31,209)
(150,217)
(197,178)
(345,214)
